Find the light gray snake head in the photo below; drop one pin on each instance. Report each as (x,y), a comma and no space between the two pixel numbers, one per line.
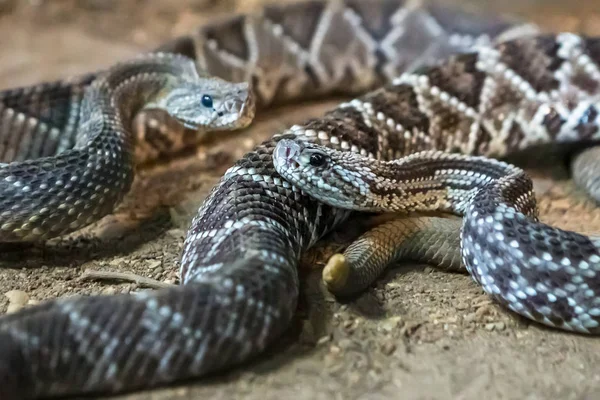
(339,179)
(211,104)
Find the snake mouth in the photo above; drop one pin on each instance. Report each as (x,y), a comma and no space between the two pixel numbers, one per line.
(188,124)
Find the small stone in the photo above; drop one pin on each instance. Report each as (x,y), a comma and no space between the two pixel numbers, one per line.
(13,307)
(170,281)
(388,347)
(470,317)
(109,291)
(500,326)
(155,265)
(176,233)
(490,327)
(485,310)
(323,339)
(33,302)
(117,262)
(520,335)
(410,329)
(390,324)
(17,297)
(126,289)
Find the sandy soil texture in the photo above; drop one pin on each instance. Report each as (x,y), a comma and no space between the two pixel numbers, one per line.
(418,333)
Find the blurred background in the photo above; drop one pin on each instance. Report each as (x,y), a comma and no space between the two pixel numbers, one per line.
(42,39)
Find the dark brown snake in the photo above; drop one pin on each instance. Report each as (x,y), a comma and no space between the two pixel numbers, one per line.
(238,269)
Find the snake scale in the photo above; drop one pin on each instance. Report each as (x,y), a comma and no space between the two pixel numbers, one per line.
(238,268)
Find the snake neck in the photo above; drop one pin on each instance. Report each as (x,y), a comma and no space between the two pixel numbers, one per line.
(433,180)
(112,102)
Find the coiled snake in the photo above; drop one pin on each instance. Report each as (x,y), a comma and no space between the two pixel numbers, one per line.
(238,268)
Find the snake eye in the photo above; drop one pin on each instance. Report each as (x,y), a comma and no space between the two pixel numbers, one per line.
(207,101)
(317,160)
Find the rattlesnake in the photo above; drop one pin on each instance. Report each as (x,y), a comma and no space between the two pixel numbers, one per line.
(238,268)
(543,273)
(49,196)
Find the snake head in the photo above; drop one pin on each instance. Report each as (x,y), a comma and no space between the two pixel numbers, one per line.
(211,104)
(332,177)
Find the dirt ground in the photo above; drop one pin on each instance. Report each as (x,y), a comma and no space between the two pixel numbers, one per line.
(419,333)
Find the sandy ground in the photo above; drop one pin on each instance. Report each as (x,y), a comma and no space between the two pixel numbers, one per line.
(418,333)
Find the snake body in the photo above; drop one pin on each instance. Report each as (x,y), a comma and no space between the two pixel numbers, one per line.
(434,240)
(544,273)
(238,268)
(58,190)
